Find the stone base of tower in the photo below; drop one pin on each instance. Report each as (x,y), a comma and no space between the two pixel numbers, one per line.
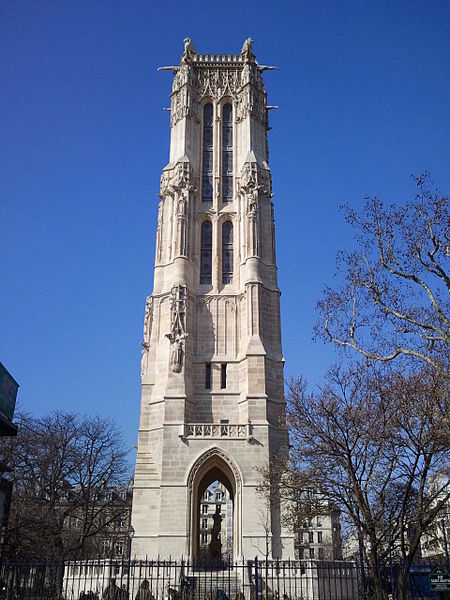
(191,465)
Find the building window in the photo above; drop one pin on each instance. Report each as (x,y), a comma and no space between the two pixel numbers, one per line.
(105,546)
(311,553)
(321,554)
(204,538)
(311,537)
(319,537)
(204,509)
(227,153)
(218,508)
(208,376)
(301,554)
(227,252)
(223,376)
(219,496)
(206,252)
(204,523)
(118,548)
(207,163)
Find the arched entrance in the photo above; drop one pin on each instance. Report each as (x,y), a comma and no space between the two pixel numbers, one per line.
(214,466)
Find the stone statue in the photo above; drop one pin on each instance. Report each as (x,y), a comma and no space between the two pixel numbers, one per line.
(247,47)
(147,322)
(177,356)
(188,48)
(181,209)
(252,203)
(217,518)
(215,545)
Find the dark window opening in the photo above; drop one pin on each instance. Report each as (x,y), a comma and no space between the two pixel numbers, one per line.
(227,252)
(227,153)
(208,377)
(206,252)
(223,377)
(207,163)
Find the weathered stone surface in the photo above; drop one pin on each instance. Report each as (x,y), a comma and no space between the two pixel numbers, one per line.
(192,329)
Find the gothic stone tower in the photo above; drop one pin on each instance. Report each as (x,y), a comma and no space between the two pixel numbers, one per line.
(212,367)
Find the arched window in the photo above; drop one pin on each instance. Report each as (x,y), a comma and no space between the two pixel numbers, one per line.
(207,163)
(227,153)
(227,252)
(206,252)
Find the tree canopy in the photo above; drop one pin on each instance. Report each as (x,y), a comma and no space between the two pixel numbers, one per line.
(61,465)
(392,299)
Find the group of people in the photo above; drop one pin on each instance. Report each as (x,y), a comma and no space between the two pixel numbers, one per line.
(114,592)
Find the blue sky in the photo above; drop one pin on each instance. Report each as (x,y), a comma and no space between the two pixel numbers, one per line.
(364,101)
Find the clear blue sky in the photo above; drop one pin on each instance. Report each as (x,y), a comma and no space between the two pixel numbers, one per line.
(364,97)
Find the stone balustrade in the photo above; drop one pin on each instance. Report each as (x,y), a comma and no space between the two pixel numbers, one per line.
(216,430)
(217,58)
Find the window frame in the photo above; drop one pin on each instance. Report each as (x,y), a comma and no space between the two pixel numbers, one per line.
(227,153)
(206,254)
(207,150)
(227,251)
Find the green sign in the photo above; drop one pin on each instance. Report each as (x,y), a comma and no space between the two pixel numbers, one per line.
(8,393)
(439,580)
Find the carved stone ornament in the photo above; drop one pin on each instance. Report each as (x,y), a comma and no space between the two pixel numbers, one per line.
(179,177)
(182,175)
(207,456)
(214,82)
(253,177)
(185,97)
(177,333)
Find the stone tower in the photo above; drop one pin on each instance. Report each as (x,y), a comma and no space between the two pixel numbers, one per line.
(212,366)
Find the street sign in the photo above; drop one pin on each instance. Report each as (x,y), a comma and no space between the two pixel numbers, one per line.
(439,580)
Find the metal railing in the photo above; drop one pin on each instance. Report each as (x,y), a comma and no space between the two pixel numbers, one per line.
(136,579)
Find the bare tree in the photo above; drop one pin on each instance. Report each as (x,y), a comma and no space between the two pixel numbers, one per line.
(394,297)
(376,445)
(63,466)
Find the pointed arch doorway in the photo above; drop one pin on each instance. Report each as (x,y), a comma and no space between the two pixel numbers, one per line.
(215,466)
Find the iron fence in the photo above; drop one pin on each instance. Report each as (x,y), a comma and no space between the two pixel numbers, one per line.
(110,579)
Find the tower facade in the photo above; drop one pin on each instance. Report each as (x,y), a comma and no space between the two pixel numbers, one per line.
(212,366)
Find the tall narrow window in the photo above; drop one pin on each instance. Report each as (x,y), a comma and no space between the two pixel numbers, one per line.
(207,163)
(227,153)
(206,252)
(223,377)
(207,376)
(227,252)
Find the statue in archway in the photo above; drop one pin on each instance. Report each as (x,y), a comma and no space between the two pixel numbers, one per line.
(215,545)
